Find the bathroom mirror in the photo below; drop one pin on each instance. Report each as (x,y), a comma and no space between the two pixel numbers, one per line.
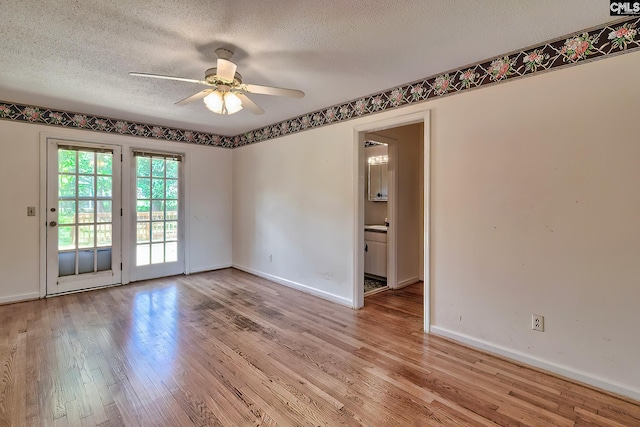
(378,187)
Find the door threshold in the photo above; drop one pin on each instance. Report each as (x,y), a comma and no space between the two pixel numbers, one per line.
(75,291)
(376,291)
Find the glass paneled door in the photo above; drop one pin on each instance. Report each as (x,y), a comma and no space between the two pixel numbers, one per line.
(83,216)
(158,221)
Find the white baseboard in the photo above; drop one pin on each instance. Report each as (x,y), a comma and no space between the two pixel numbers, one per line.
(407,282)
(299,286)
(19,298)
(209,268)
(563,370)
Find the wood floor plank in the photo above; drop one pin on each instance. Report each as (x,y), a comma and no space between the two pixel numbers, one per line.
(226,348)
(8,393)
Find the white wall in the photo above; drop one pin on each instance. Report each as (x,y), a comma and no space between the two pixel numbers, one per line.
(19,238)
(210,202)
(293,199)
(534,209)
(209,169)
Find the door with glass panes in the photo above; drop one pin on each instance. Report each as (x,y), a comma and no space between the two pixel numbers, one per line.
(83,216)
(157,242)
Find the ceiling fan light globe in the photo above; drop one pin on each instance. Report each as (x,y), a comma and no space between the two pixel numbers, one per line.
(232,102)
(214,102)
(223,102)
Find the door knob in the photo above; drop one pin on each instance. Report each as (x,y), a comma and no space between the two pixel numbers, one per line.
(53,224)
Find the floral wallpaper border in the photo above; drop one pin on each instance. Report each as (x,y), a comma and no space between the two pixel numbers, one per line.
(40,115)
(603,41)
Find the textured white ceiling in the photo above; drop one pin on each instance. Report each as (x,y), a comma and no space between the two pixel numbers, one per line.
(75,54)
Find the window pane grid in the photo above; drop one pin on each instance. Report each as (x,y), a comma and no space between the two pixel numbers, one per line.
(156,208)
(85,191)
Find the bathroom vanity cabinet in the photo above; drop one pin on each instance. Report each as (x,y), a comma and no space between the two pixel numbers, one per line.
(375,255)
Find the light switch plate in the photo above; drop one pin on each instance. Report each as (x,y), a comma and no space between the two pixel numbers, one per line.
(31,211)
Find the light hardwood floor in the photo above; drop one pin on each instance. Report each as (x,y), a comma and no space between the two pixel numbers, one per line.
(228,348)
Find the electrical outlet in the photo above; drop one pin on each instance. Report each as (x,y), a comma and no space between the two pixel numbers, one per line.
(537,322)
(270,258)
(31,211)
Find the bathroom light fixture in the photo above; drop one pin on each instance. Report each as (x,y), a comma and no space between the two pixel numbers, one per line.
(223,102)
(378,160)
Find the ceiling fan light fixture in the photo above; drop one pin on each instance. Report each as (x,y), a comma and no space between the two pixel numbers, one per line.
(232,102)
(223,102)
(214,102)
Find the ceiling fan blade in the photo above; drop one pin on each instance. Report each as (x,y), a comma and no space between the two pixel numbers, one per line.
(226,70)
(194,97)
(249,104)
(276,91)
(159,76)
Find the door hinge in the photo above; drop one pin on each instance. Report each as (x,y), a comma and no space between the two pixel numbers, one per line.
(120,211)
(121,156)
(120,266)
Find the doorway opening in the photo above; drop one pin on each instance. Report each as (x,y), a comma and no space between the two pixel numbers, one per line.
(392,229)
(376,212)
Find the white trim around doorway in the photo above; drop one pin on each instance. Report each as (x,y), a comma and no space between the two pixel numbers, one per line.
(358,147)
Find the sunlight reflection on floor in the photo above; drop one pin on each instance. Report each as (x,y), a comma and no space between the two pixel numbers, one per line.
(153,337)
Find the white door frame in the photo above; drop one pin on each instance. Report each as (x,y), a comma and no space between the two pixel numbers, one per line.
(47,141)
(135,273)
(359,166)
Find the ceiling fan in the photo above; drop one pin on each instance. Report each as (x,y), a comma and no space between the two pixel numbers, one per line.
(226,93)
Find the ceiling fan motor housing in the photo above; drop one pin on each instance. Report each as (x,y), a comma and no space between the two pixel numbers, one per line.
(211,77)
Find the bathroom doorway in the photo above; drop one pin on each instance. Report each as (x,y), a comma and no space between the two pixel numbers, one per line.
(398,224)
(376,221)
